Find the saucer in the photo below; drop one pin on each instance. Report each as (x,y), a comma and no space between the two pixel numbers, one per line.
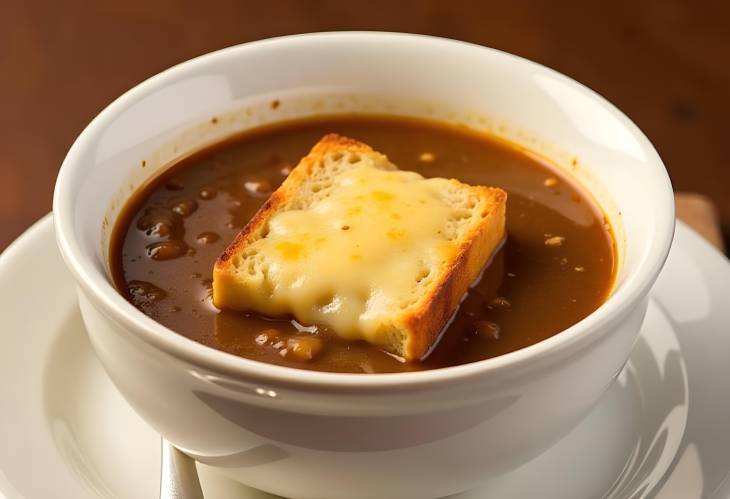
(660,431)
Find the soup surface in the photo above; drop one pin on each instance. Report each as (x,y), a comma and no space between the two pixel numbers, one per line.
(555,268)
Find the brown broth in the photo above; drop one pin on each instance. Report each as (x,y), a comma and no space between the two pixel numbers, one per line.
(531,291)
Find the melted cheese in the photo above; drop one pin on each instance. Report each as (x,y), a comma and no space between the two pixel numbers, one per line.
(353,259)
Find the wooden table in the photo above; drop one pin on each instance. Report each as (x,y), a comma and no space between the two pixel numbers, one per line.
(664,62)
(698,212)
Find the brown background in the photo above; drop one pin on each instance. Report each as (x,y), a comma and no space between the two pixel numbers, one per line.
(665,63)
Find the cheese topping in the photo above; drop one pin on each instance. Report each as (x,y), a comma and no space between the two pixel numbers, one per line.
(358,255)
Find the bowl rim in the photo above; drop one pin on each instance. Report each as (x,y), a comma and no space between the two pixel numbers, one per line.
(97,287)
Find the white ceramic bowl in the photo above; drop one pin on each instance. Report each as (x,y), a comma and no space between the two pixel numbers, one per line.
(321,435)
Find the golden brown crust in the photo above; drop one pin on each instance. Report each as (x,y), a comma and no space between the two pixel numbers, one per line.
(258,220)
(426,323)
(337,142)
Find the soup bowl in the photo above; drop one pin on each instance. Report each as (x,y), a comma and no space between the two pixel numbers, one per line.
(310,434)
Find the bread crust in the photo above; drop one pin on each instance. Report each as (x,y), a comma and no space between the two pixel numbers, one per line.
(422,322)
(425,322)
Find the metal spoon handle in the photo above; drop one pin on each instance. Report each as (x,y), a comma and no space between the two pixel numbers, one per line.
(178,475)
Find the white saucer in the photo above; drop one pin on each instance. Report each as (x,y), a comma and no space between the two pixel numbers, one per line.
(661,431)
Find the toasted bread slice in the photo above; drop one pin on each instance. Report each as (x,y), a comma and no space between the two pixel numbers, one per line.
(351,243)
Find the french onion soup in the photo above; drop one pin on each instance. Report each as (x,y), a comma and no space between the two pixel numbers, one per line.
(352,274)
